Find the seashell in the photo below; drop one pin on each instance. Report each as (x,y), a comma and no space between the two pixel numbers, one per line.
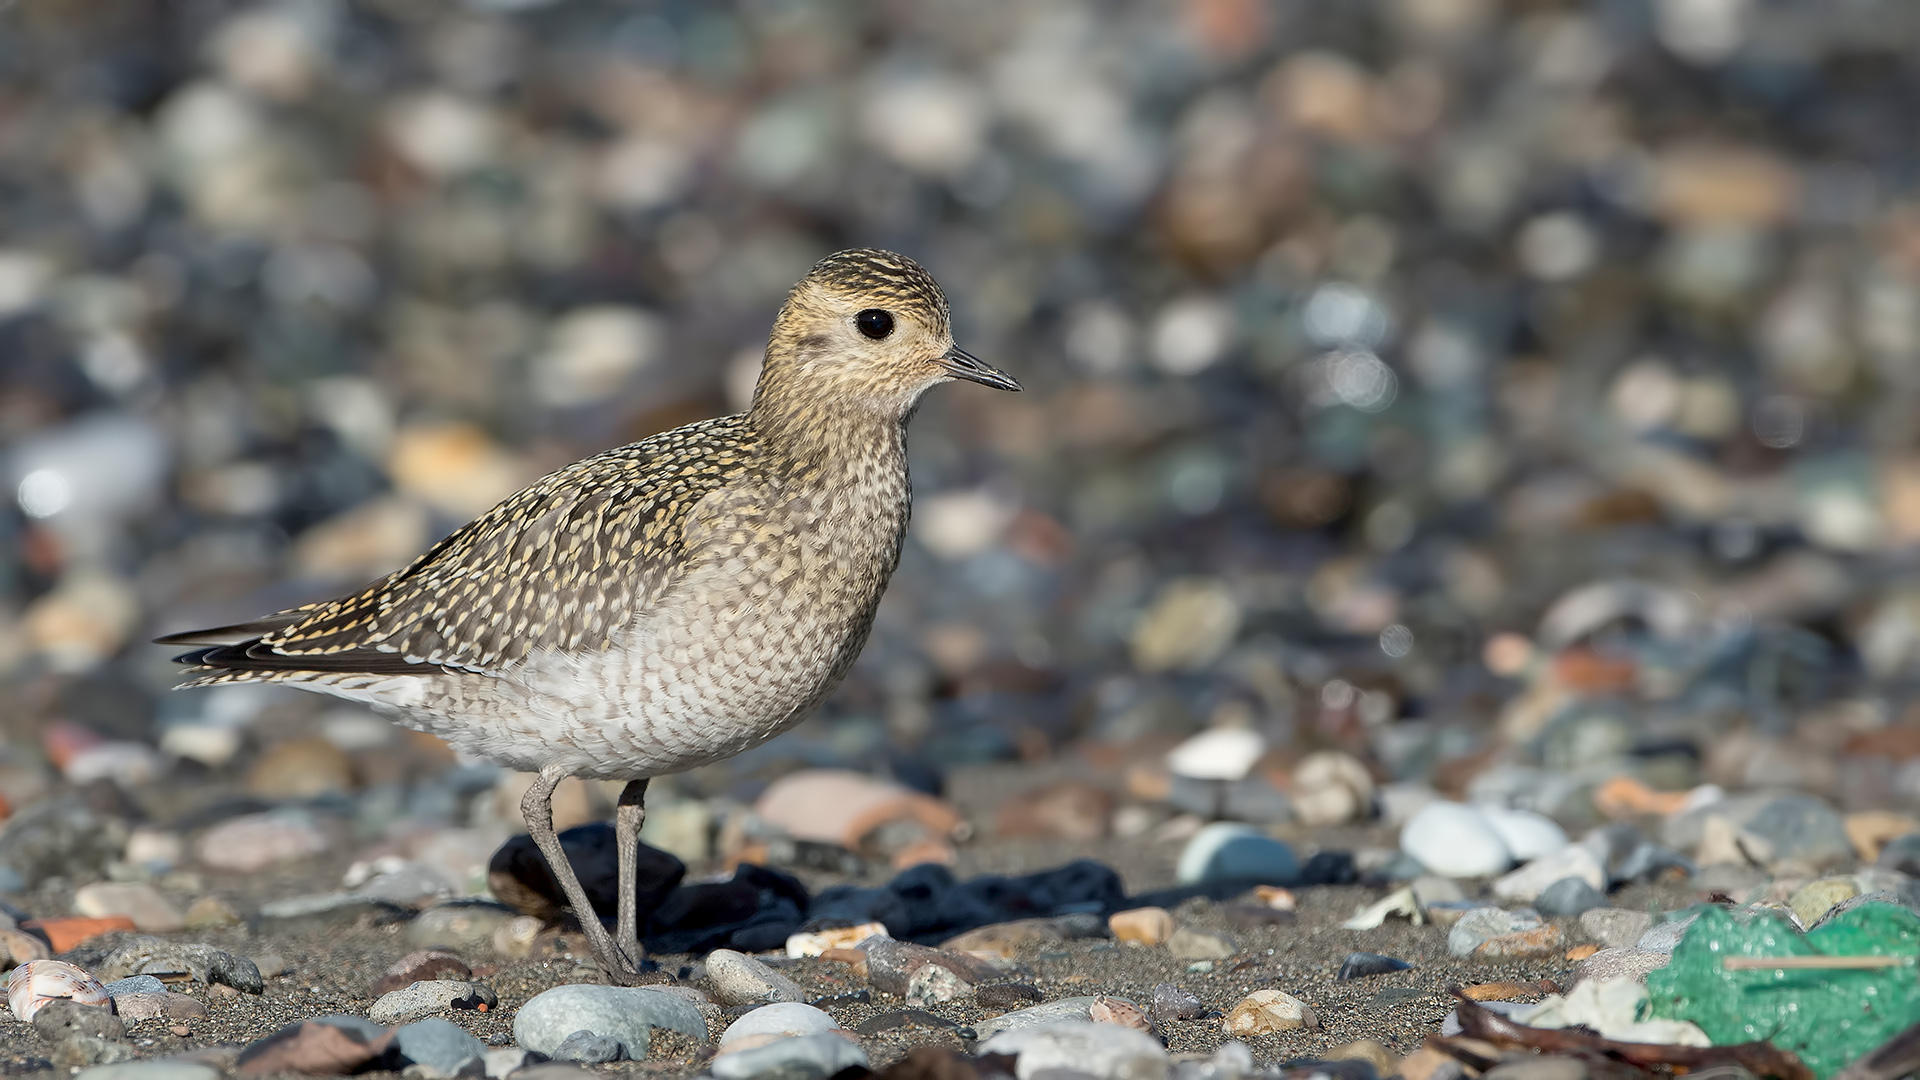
(37,982)
(1111,1010)
(846,937)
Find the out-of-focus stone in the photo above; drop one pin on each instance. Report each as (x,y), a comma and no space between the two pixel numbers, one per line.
(1189,943)
(300,769)
(1065,810)
(1265,1012)
(1331,788)
(1142,926)
(150,911)
(1186,627)
(842,807)
(249,844)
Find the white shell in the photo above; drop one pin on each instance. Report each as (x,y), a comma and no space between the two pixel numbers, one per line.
(37,982)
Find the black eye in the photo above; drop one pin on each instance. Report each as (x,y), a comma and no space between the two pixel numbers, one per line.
(874,323)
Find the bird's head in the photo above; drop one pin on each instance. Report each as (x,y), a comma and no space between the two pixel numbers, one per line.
(865,328)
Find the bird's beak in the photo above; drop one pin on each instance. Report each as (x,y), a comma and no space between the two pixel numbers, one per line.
(962,364)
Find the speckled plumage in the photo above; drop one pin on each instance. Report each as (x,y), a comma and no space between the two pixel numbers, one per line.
(661,605)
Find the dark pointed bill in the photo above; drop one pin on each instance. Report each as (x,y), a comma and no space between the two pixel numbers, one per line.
(962,364)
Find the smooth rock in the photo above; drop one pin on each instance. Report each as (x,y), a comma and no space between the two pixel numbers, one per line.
(422,965)
(589,1049)
(324,1047)
(81,1034)
(1804,829)
(841,806)
(1264,1012)
(1331,788)
(1816,898)
(1539,943)
(1614,928)
(458,924)
(424,999)
(151,1069)
(1569,896)
(161,1006)
(1060,1010)
(1103,1050)
(137,900)
(135,984)
(1615,963)
(1172,1003)
(782,1018)
(1217,754)
(1142,926)
(1231,851)
(931,984)
(253,842)
(1006,939)
(440,1049)
(739,979)
(501,1061)
(892,965)
(1524,885)
(322,912)
(1189,943)
(1481,925)
(1527,835)
(204,963)
(1902,854)
(1361,964)
(1455,840)
(799,1057)
(1075,810)
(627,1014)
(1662,936)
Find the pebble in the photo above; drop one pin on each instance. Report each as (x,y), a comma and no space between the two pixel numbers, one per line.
(424,999)
(161,1006)
(322,912)
(1902,854)
(1009,938)
(782,1018)
(813,943)
(135,984)
(625,1014)
(1803,828)
(440,1049)
(81,1035)
(1816,898)
(1075,810)
(150,911)
(203,963)
(1171,1003)
(1231,851)
(1142,926)
(459,924)
(1569,896)
(892,965)
(1614,928)
(1524,885)
(502,1061)
(1361,964)
(1527,835)
(800,1057)
(1060,1010)
(1103,1050)
(1481,925)
(150,1069)
(841,807)
(1620,962)
(421,966)
(1663,936)
(1537,944)
(211,913)
(931,984)
(589,1049)
(330,1045)
(1455,840)
(1188,943)
(1217,754)
(1264,1012)
(739,979)
(253,842)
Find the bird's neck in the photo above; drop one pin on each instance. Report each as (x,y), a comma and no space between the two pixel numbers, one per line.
(834,442)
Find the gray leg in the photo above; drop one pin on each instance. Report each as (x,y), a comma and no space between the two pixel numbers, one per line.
(628,816)
(537,807)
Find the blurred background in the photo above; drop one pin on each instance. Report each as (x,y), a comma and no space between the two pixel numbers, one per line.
(1507,395)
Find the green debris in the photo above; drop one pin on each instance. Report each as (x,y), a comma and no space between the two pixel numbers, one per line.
(1828,1016)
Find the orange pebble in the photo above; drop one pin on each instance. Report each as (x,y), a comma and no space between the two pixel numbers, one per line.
(927,849)
(65,933)
(1585,669)
(482,1007)
(1581,952)
(1501,991)
(1625,797)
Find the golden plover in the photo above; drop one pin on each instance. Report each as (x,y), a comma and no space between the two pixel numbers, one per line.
(661,605)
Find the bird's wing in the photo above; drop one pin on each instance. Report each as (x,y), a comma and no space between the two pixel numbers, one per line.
(562,564)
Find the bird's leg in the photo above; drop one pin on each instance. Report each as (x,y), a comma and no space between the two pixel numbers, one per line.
(628,816)
(537,807)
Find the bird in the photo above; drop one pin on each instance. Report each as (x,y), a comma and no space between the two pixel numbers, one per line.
(660,605)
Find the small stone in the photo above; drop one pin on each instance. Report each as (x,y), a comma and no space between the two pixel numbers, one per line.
(203,963)
(1188,943)
(321,912)
(1539,1068)
(1189,624)
(589,1049)
(253,842)
(1804,829)
(1103,1050)
(1142,926)
(1373,1053)
(1006,995)
(781,1018)
(158,1006)
(1618,963)
(1527,835)
(931,984)
(402,882)
(841,807)
(1062,1010)
(799,1057)
(314,1047)
(1816,898)
(1536,944)
(1362,964)
(515,937)
(1502,991)
(892,965)
(739,979)
(1230,851)
(81,1035)
(135,984)
(1074,810)
(627,1014)
(19,948)
(152,1069)
(1455,840)
(898,1019)
(501,1061)
(439,1049)
(458,924)
(819,941)
(424,999)
(1331,788)
(1526,884)
(1172,1003)
(211,912)
(421,966)
(1569,896)
(1614,928)
(137,900)
(299,769)
(1010,938)
(1903,854)
(1481,925)
(1662,937)
(1264,1012)
(1217,754)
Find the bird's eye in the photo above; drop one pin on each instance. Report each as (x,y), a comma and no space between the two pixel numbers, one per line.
(874,323)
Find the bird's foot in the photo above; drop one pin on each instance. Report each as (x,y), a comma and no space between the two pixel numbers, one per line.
(625,966)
